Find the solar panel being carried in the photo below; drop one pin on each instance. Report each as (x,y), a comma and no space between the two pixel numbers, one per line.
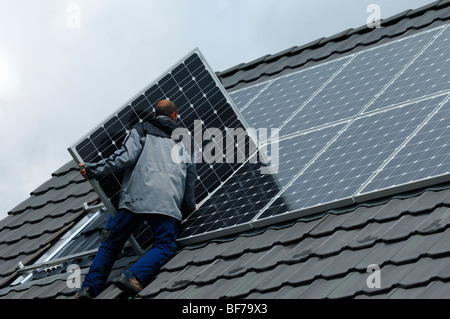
(199,96)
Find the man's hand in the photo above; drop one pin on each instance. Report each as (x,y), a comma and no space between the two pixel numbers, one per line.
(83,171)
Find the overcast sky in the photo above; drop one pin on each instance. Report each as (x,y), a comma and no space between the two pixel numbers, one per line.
(67,65)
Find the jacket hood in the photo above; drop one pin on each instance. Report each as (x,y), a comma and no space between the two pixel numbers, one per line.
(165,124)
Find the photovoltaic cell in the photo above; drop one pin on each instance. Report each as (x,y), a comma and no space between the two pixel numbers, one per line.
(242,196)
(234,203)
(351,159)
(429,74)
(242,97)
(425,156)
(357,84)
(192,86)
(284,96)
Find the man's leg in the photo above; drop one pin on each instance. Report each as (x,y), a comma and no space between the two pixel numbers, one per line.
(122,225)
(165,231)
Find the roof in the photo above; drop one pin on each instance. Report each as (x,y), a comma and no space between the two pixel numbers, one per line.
(322,256)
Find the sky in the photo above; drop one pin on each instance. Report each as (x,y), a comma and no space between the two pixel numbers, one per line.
(66,65)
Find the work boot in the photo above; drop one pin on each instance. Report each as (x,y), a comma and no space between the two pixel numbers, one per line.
(84,293)
(127,282)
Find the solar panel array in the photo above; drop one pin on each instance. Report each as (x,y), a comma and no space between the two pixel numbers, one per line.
(362,126)
(367,132)
(340,171)
(358,164)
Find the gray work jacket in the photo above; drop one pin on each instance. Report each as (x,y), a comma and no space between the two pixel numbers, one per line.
(153,182)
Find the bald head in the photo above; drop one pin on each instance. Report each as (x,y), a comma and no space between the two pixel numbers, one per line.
(167,108)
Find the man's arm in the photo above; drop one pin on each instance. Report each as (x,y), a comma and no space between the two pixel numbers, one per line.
(121,159)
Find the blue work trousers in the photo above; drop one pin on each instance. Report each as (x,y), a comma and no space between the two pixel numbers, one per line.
(122,225)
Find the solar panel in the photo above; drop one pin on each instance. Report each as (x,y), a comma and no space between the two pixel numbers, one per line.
(344,167)
(242,97)
(429,74)
(425,157)
(199,95)
(358,83)
(284,96)
(247,191)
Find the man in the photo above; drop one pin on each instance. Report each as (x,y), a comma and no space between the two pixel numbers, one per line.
(155,188)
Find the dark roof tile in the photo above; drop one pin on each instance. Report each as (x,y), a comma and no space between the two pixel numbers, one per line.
(329,223)
(392,274)
(243,285)
(275,57)
(65,169)
(434,290)
(442,3)
(427,201)
(34,230)
(441,246)
(346,260)
(51,210)
(320,288)
(186,256)
(53,196)
(353,284)
(408,250)
(424,270)
(421,10)
(274,278)
(380,254)
(223,268)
